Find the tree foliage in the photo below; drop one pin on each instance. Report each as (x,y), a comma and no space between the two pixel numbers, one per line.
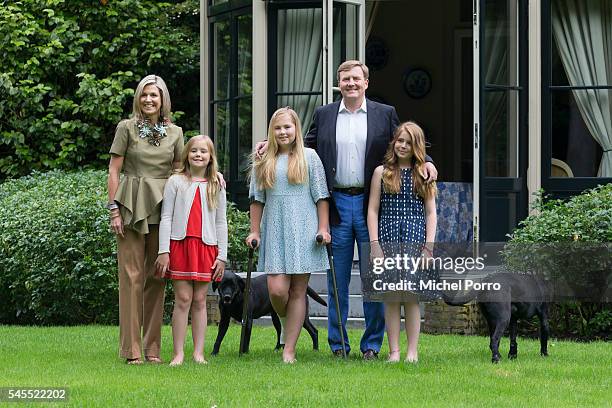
(68,70)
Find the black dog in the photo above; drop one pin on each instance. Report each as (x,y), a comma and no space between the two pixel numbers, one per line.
(231,291)
(502,307)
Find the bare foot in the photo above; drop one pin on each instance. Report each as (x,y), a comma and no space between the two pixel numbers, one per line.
(412,359)
(199,359)
(133,361)
(177,360)
(288,358)
(394,356)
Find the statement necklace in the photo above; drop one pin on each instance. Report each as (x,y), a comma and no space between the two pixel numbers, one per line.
(153,133)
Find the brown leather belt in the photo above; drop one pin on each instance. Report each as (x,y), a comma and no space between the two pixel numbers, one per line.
(350,190)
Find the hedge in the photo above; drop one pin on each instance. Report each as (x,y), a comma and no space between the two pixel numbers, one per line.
(57,256)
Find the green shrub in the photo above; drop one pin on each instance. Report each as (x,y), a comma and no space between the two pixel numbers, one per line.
(570,240)
(238,225)
(57,255)
(586,217)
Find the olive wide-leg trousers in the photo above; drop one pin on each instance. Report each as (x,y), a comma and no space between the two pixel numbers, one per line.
(141,294)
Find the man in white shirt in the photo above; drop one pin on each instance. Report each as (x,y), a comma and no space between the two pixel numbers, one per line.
(351,137)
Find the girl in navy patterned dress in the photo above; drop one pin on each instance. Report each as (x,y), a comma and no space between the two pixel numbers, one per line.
(402,214)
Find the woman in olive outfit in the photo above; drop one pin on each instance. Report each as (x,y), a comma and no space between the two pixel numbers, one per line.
(145,149)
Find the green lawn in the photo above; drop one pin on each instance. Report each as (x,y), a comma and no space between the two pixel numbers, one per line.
(452,371)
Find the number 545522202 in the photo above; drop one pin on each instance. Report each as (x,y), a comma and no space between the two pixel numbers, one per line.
(8,394)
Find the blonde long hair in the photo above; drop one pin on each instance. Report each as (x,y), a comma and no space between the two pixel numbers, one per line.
(265,168)
(166,105)
(391,172)
(213,187)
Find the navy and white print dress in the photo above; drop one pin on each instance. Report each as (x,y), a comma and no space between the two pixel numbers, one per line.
(401,229)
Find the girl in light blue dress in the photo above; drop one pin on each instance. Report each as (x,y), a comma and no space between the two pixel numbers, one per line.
(288,210)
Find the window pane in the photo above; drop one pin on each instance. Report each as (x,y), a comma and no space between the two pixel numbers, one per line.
(245,140)
(575,151)
(299,47)
(559,77)
(303,105)
(221,117)
(245,48)
(500,134)
(346,23)
(221,58)
(501,40)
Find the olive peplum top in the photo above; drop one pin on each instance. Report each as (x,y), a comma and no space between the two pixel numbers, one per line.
(146,169)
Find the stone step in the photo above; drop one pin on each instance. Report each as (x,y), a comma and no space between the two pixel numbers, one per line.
(355,306)
(318,281)
(318,321)
(321,322)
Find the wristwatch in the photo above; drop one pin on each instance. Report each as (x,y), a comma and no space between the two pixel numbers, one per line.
(112,206)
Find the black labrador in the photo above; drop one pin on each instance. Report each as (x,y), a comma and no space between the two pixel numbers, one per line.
(231,297)
(519,297)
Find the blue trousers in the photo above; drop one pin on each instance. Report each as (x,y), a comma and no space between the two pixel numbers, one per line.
(352,228)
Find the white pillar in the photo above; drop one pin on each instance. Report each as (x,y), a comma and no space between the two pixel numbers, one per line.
(534,169)
(204,85)
(260,71)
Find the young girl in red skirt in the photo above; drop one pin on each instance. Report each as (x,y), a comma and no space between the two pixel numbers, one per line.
(193,241)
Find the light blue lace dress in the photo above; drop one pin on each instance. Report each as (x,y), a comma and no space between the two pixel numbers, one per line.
(289,223)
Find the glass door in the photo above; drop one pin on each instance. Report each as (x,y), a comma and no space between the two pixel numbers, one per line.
(343,39)
(307,40)
(230,107)
(500,131)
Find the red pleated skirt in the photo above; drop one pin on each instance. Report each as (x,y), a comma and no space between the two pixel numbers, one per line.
(191,259)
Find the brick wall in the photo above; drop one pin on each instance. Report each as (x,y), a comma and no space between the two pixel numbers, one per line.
(441,318)
(212,308)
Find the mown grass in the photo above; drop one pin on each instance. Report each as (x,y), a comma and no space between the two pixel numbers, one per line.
(452,371)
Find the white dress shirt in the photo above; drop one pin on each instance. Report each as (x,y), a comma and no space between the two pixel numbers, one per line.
(351,138)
